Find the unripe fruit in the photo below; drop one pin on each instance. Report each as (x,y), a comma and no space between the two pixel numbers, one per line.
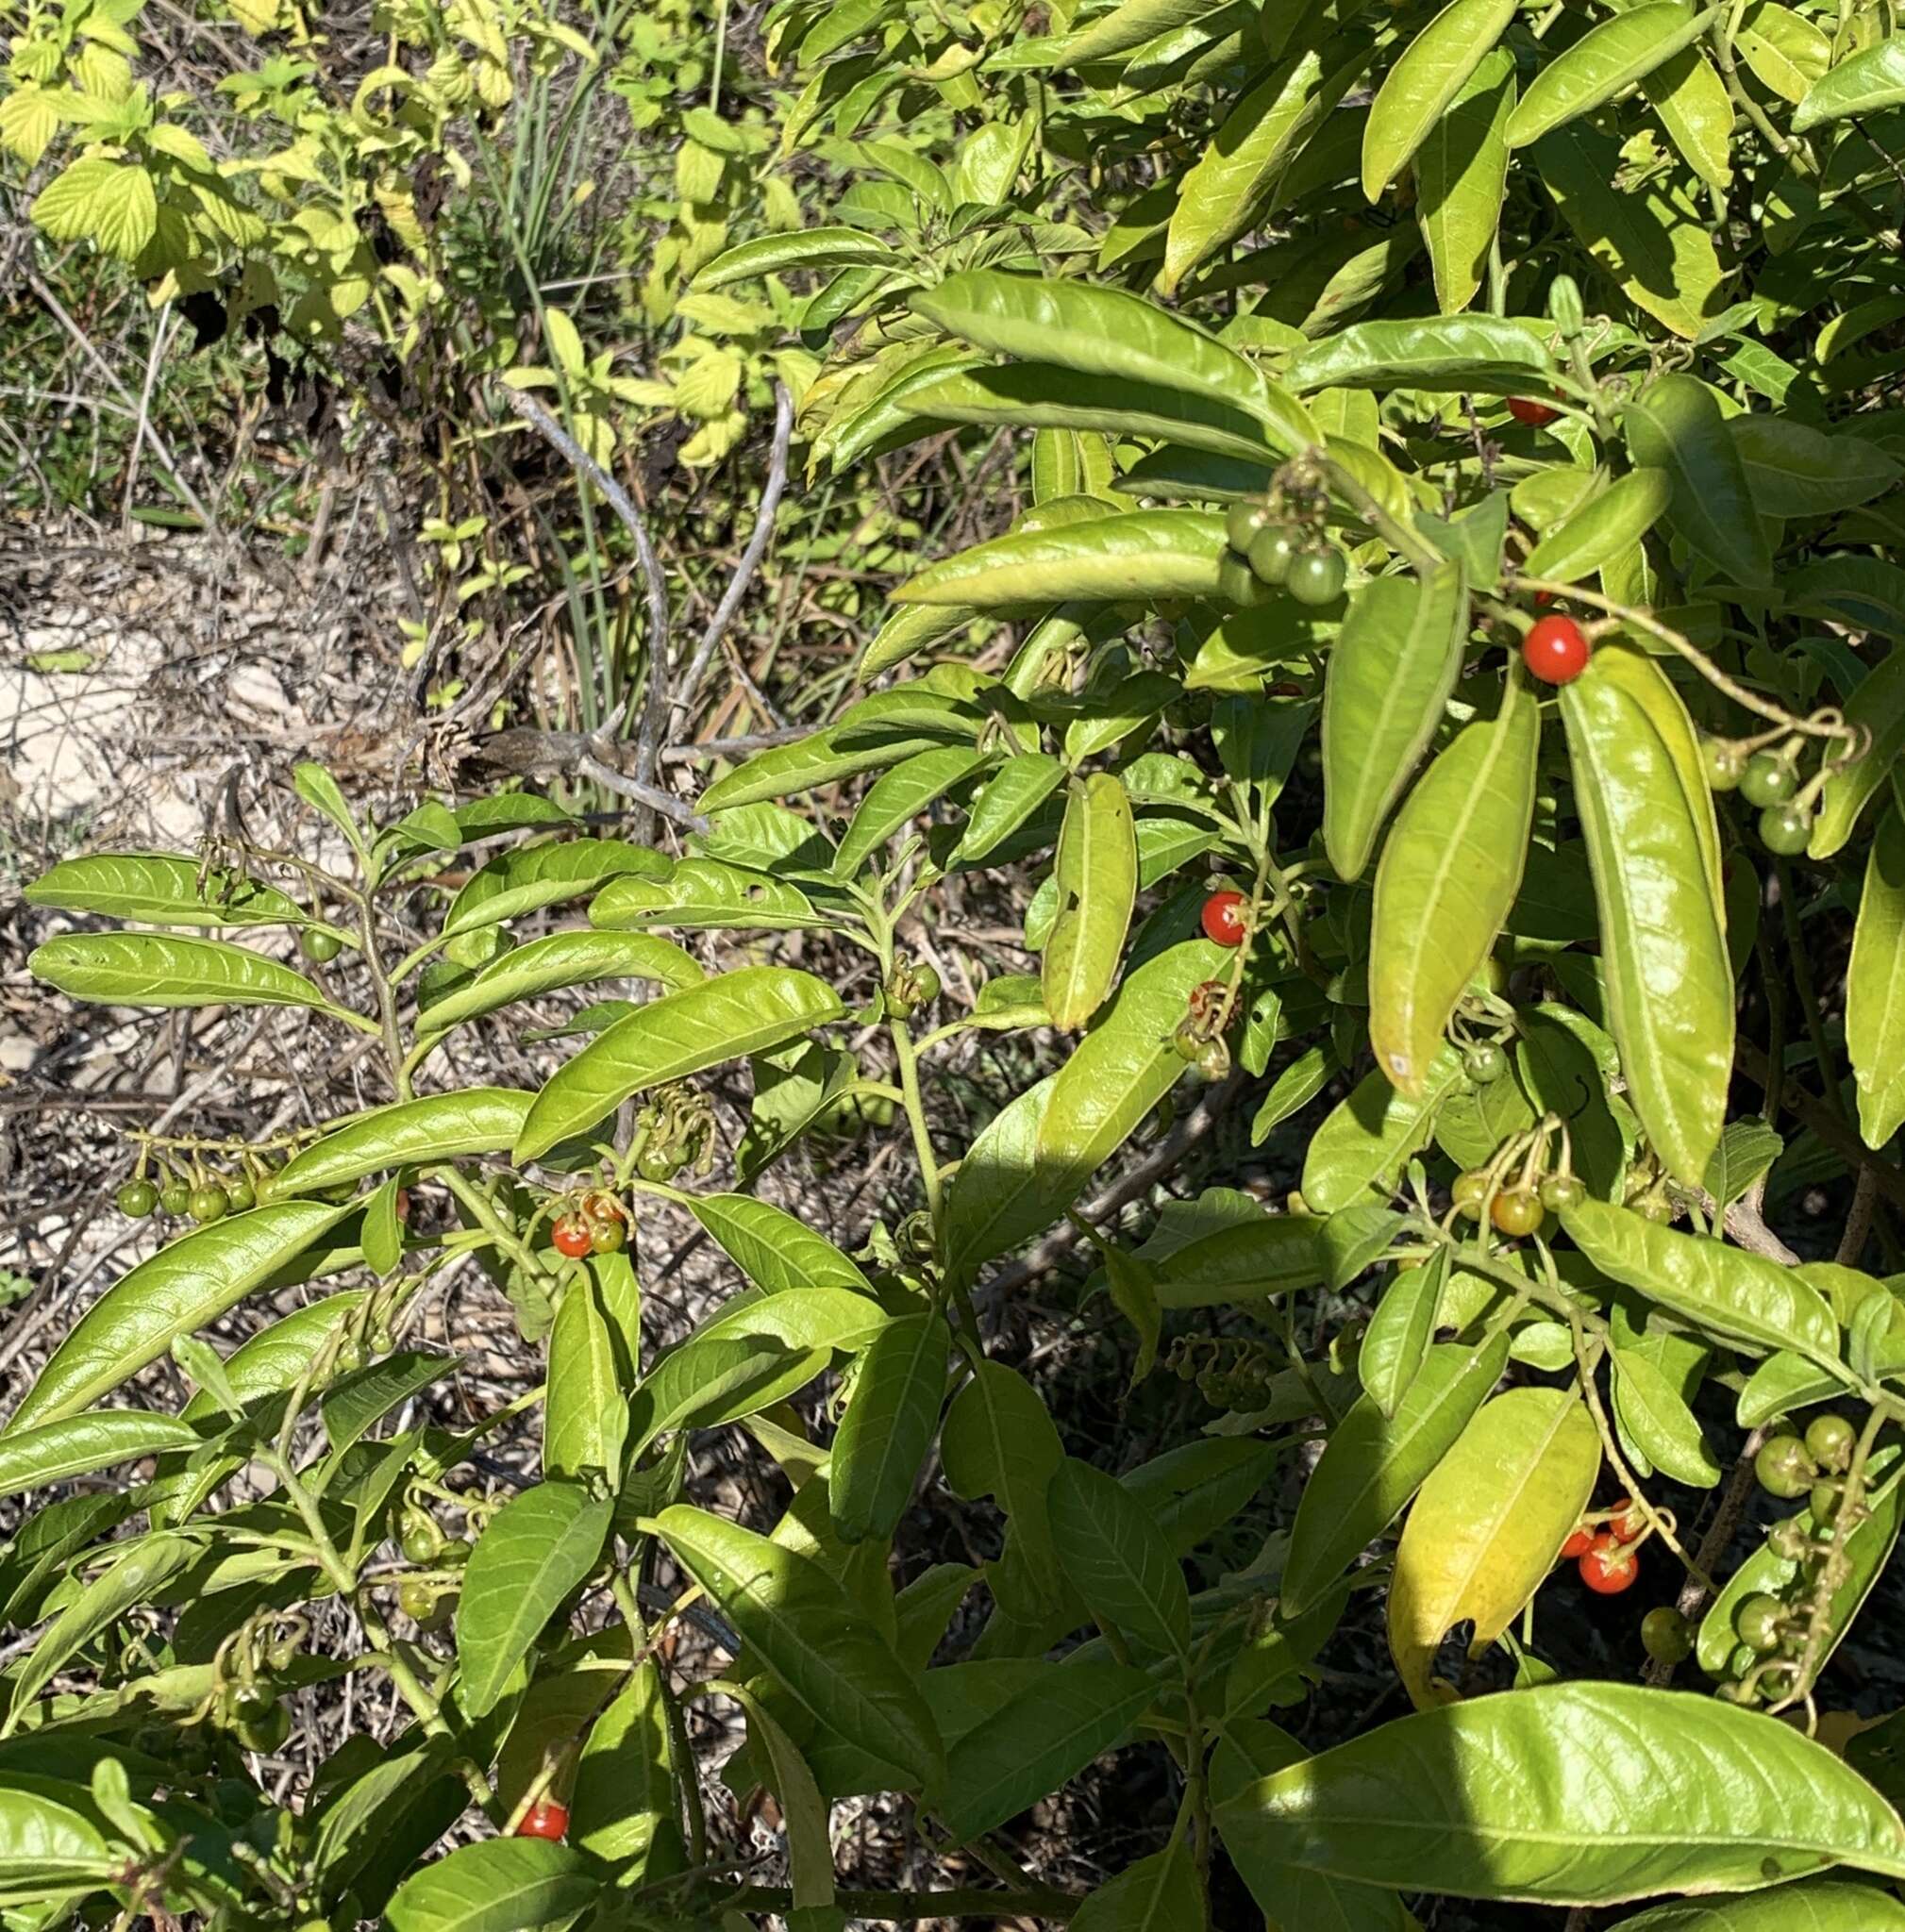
(1757,1621)
(1785,830)
(1517,1211)
(1467,1193)
(1242,521)
(1768,779)
(1560,1192)
(1273,550)
(1484,1064)
(175,1197)
(1666,1635)
(1724,761)
(136,1198)
(1316,577)
(1830,1440)
(209,1203)
(1783,1467)
(319,946)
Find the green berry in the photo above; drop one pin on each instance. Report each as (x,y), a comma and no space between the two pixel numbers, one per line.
(1560,1192)
(1666,1635)
(658,1164)
(267,1733)
(1188,1043)
(136,1198)
(209,1203)
(1468,1192)
(1213,1061)
(416,1600)
(1785,830)
(175,1197)
(1484,1064)
(1828,1441)
(1316,575)
(1724,761)
(1783,1467)
(1736,1693)
(1242,523)
(419,1536)
(1272,552)
(1789,1541)
(608,1235)
(319,946)
(1824,1503)
(1768,779)
(1759,1621)
(926,985)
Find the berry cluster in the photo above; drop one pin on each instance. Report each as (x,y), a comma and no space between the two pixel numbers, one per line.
(596,1225)
(1769,780)
(1281,539)
(1199,1038)
(1229,1372)
(1605,1546)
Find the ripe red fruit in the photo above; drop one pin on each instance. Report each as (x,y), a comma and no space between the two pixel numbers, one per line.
(1580,1542)
(1555,650)
(571,1238)
(545,1818)
(1628,1523)
(1224,918)
(1609,1567)
(1526,410)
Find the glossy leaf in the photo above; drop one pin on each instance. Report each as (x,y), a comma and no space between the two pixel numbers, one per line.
(1096,872)
(1115,1555)
(561,960)
(898,797)
(745,1012)
(1367,1139)
(497,1884)
(624,1808)
(1448,875)
(805,248)
(1008,801)
(542,1545)
(176,1291)
(717,1378)
(1457,352)
(78,1444)
(585,1417)
(709,895)
(1658,1422)
(1487,1525)
(1146,555)
(1676,426)
(150,968)
(798,1622)
(1587,1793)
(1878,706)
(1268,1255)
(773,1248)
(1869,83)
(1606,526)
(1796,471)
(1161,1893)
(408,1133)
(530,877)
(1688,94)
(1393,666)
(1875,988)
(1422,84)
(1373,1464)
(1824,1906)
(1784,49)
(1757,1303)
(1461,179)
(159,888)
(889,1426)
(1396,1341)
(999,1441)
(1605,62)
(1653,850)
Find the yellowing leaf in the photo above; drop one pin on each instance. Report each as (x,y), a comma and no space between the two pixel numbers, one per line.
(109,203)
(1487,1525)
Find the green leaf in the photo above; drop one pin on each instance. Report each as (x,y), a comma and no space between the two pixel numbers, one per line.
(889,1426)
(1608,524)
(1875,988)
(1222,195)
(1794,470)
(1148,555)
(78,1444)
(742,1012)
(1487,1526)
(535,1550)
(1112,334)
(711,1379)
(1785,51)
(1396,1341)
(1869,83)
(1878,706)
(500,1884)
(1755,1304)
(1266,1255)
(407,1133)
(1820,1907)
(1676,426)
(623,1809)
(1032,1159)
(1424,82)
(176,1291)
(530,877)
(149,969)
(998,1441)
(1393,666)
(1008,801)
(707,894)
(1454,352)
(1067,1715)
(1653,1416)
(1604,63)
(773,1248)
(561,960)
(1461,178)
(1365,1140)
(805,248)
(159,888)
(1448,875)
(112,203)
(1113,1554)
(898,797)
(1161,1893)
(585,1415)
(1585,1793)
(1374,1464)
(1647,818)
(1096,874)
(799,1623)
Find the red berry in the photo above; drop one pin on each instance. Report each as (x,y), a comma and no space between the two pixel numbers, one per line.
(1542,597)
(1628,1523)
(1555,650)
(1580,1542)
(571,1238)
(1609,1567)
(1526,410)
(545,1818)
(1224,918)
